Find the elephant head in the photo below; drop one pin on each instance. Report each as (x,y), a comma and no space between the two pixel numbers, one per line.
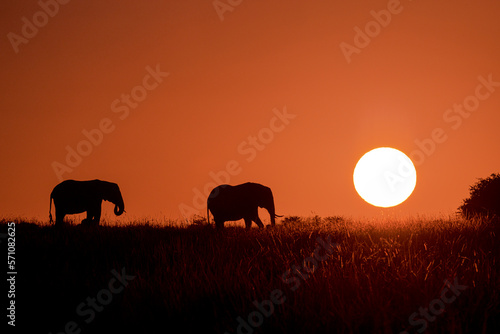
(111,193)
(266,201)
(228,203)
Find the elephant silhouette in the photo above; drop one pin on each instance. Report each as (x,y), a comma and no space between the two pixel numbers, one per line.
(229,203)
(72,197)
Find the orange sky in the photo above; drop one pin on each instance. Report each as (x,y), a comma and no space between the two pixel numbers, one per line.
(344,94)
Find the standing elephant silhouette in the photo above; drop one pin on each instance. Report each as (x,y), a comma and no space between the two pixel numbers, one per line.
(72,197)
(228,203)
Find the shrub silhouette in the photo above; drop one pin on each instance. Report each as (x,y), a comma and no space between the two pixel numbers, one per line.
(484,200)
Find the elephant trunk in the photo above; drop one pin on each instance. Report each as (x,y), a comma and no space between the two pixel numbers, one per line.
(119,210)
(272,212)
(119,207)
(267,202)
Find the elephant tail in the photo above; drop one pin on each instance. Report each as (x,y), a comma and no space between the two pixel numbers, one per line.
(208,216)
(50,209)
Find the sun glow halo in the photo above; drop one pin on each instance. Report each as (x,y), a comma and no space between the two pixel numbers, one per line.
(385,177)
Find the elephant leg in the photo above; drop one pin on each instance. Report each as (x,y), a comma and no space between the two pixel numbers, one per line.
(97,215)
(255,217)
(94,215)
(59,218)
(86,222)
(258,221)
(219,224)
(248,223)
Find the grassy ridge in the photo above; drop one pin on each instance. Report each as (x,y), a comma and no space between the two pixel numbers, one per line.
(195,279)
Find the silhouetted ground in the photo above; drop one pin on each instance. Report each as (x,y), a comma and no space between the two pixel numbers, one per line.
(367,277)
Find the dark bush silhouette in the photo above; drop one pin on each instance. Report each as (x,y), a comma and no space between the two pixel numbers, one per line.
(484,200)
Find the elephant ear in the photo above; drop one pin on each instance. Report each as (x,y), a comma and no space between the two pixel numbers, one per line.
(269,195)
(265,198)
(109,191)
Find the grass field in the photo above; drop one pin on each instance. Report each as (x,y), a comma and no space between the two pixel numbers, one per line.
(306,275)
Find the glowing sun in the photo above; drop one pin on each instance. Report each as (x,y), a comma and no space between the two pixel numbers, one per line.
(384,177)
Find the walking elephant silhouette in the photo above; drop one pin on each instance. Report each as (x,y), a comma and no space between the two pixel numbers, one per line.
(72,197)
(229,203)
